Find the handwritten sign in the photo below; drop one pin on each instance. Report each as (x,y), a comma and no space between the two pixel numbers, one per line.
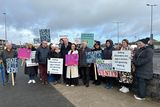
(12,65)
(24,53)
(55,66)
(121,61)
(31,62)
(93,56)
(71,59)
(89,37)
(45,35)
(104,68)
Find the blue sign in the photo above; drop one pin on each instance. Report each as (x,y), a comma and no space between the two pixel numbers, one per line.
(12,65)
(45,35)
(92,56)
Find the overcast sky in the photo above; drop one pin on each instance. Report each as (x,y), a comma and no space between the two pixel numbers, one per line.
(73,17)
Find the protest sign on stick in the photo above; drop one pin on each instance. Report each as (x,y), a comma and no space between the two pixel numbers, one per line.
(24,53)
(92,56)
(12,67)
(89,37)
(45,35)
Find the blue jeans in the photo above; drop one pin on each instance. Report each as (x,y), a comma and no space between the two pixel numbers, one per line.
(32,76)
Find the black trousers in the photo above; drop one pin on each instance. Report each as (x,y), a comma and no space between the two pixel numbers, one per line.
(57,77)
(141,87)
(85,75)
(72,81)
(64,73)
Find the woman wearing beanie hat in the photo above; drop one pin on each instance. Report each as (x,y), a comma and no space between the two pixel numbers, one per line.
(143,61)
(97,47)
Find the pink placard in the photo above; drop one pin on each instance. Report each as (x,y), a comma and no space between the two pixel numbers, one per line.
(71,60)
(24,53)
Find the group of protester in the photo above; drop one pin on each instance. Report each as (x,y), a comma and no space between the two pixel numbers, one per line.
(140,74)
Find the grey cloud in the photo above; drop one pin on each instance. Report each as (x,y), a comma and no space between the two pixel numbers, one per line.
(84,15)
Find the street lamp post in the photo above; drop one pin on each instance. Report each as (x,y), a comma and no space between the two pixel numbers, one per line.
(118,34)
(151,5)
(5,29)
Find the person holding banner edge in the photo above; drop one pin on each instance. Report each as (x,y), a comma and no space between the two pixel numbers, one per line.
(9,52)
(107,54)
(83,65)
(97,47)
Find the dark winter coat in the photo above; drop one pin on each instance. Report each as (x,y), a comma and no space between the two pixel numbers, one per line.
(65,50)
(107,53)
(8,54)
(143,62)
(53,54)
(82,57)
(41,55)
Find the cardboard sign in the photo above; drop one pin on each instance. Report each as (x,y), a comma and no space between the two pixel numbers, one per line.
(31,62)
(104,68)
(92,56)
(24,53)
(55,66)
(12,65)
(121,61)
(71,60)
(45,35)
(89,37)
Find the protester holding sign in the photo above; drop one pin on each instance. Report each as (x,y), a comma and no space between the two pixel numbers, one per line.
(107,54)
(143,60)
(31,70)
(41,58)
(66,46)
(125,78)
(72,70)
(84,66)
(55,53)
(8,53)
(97,47)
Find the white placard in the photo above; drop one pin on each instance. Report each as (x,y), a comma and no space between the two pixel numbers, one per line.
(31,62)
(55,66)
(121,61)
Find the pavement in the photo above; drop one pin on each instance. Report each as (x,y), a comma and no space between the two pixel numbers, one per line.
(98,96)
(38,95)
(31,95)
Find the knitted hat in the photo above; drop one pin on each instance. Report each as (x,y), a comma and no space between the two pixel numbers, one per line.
(98,42)
(145,41)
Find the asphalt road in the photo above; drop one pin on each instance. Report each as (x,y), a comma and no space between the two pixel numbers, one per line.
(30,95)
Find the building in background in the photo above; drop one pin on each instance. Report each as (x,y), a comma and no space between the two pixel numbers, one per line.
(2,44)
